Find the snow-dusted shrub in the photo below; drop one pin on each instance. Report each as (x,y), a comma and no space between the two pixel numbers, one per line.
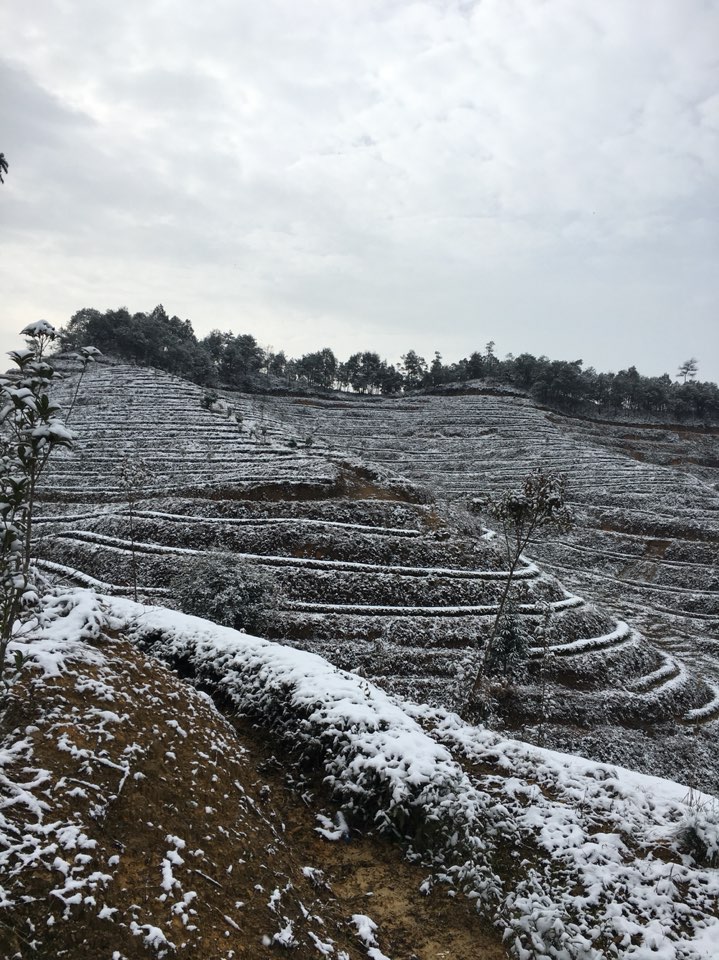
(378,763)
(215,586)
(559,852)
(209,399)
(31,427)
(508,655)
(698,833)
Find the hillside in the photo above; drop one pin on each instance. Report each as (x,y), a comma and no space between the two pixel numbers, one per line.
(358,508)
(139,821)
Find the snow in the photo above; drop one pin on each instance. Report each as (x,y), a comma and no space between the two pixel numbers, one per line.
(603,847)
(40,328)
(152,936)
(329,830)
(706,943)
(272,521)
(117,543)
(401,762)
(285,937)
(65,622)
(707,709)
(365,928)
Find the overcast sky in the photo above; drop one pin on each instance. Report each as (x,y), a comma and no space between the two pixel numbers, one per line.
(370,174)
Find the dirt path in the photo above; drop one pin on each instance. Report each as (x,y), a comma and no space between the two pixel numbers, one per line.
(370,876)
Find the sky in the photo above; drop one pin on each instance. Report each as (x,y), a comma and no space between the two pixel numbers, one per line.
(370,174)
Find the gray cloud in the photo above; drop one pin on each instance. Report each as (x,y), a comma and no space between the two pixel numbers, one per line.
(388,174)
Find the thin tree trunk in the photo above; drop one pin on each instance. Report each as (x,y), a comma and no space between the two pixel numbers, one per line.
(485,653)
(132,551)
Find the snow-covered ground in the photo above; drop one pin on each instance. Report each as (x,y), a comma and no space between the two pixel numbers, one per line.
(570,858)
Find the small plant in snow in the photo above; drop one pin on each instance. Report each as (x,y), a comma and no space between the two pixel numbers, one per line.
(698,832)
(545,634)
(216,587)
(31,427)
(209,399)
(507,656)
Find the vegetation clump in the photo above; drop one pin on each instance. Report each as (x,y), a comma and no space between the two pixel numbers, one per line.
(216,587)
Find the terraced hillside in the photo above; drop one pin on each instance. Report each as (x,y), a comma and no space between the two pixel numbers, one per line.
(377,576)
(647,532)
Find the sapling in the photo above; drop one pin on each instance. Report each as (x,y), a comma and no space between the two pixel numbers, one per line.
(31,428)
(539,505)
(545,633)
(86,355)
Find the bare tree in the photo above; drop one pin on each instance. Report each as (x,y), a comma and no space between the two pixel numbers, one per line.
(3,167)
(539,505)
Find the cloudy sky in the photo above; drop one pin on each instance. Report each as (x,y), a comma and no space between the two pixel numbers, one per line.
(370,174)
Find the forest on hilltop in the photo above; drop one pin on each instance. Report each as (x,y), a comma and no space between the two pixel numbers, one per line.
(239,362)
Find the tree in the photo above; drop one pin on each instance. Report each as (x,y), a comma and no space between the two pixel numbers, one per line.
(320,368)
(362,371)
(474,367)
(134,476)
(276,363)
(390,379)
(151,338)
(436,372)
(415,369)
(114,331)
(491,360)
(3,167)
(688,369)
(539,504)
(215,344)
(525,369)
(241,358)
(564,384)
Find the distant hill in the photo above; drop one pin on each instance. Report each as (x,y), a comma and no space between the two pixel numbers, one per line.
(223,359)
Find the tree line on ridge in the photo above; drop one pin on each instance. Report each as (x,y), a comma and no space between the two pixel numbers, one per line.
(239,362)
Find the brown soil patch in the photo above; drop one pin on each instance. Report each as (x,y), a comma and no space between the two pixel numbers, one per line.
(358,484)
(369,875)
(656,548)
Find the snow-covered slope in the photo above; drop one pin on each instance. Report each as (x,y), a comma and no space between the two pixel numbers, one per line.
(646,539)
(569,858)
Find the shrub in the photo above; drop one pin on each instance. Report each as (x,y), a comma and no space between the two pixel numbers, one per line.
(215,586)
(508,655)
(698,832)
